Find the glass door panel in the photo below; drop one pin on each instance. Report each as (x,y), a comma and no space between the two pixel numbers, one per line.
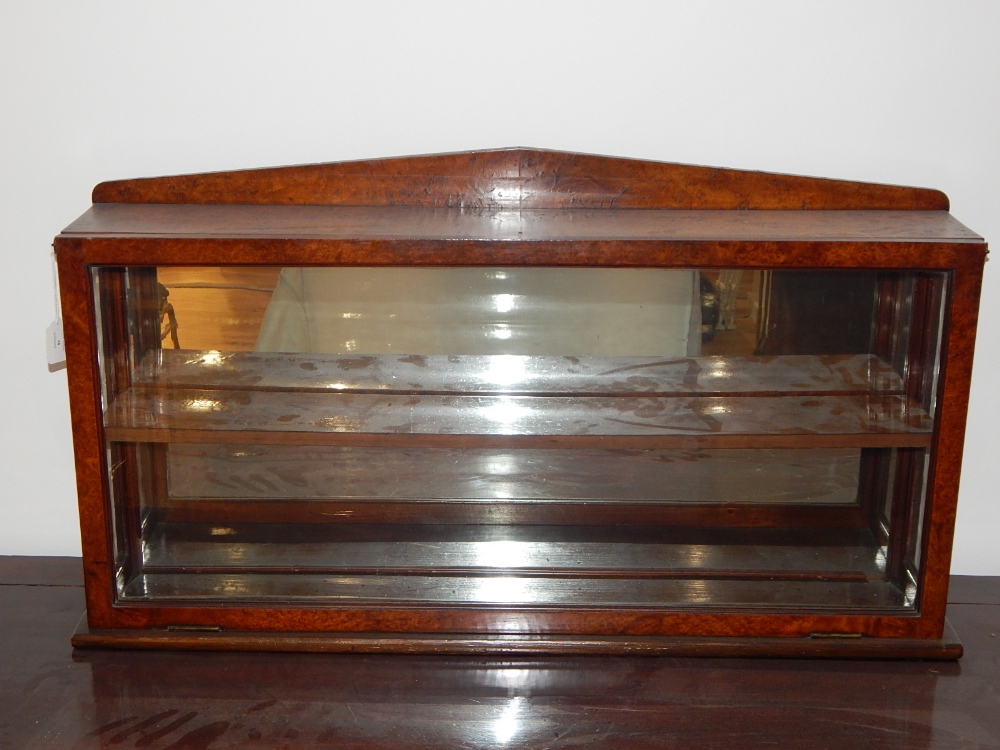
(543,437)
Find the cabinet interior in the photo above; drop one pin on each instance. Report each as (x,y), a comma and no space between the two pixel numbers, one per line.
(750,439)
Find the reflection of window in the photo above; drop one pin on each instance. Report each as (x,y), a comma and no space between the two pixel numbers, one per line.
(563,311)
(214,307)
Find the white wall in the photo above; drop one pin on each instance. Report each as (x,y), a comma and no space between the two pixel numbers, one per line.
(897,92)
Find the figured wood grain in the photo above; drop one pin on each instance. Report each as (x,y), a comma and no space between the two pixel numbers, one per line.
(517,208)
(947,647)
(402,617)
(518,177)
(523,226)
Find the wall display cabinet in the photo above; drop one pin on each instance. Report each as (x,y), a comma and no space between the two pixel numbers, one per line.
(518,401)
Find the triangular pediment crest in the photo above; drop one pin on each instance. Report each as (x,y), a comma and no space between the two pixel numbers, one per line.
(518,178)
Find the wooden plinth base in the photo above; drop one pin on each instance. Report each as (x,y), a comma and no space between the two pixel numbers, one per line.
(946,648)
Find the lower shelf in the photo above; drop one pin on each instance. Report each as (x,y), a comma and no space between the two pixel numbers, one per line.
(948,647)
(531,566)
(767,593)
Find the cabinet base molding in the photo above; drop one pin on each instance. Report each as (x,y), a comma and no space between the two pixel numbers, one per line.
(948,647)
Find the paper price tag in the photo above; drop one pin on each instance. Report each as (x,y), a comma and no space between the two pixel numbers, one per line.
(55,347)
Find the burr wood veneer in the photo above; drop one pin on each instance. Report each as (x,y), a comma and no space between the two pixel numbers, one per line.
(519,401)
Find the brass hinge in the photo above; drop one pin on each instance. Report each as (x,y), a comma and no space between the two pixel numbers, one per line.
(836,635)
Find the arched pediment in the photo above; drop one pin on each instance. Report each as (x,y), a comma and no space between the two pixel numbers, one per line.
(518,178)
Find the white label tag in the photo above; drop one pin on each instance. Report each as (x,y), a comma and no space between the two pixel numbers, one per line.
(54,346)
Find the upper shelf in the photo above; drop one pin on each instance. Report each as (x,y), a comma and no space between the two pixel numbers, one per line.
(367,419)
(510,374)
(507,401)
(519,178)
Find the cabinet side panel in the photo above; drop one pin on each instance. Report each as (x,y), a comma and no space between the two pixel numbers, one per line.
(85,410)
(955,381)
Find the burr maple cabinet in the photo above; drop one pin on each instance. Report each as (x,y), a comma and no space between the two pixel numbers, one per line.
(518,401)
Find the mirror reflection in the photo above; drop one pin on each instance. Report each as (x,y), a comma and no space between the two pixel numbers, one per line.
(564,311)
(519,435)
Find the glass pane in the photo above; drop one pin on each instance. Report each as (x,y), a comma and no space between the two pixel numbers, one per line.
(537,475)
(568,437)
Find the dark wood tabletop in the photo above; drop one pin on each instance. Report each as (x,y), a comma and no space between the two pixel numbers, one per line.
(53,697)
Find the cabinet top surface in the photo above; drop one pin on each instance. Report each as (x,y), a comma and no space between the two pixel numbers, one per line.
(522,225)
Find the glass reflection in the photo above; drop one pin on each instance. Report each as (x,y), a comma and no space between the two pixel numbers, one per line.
(211,358)
(203,404)
(501,331)
(360,396)
(504,302)
(504,413)
(504,554)
(656,312)
(566,311)
(506,369)
(502,590)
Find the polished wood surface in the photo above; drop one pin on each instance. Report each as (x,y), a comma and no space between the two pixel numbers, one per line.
(54,697)
(518,178)
(523,208)
(521,226)
(817,646)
